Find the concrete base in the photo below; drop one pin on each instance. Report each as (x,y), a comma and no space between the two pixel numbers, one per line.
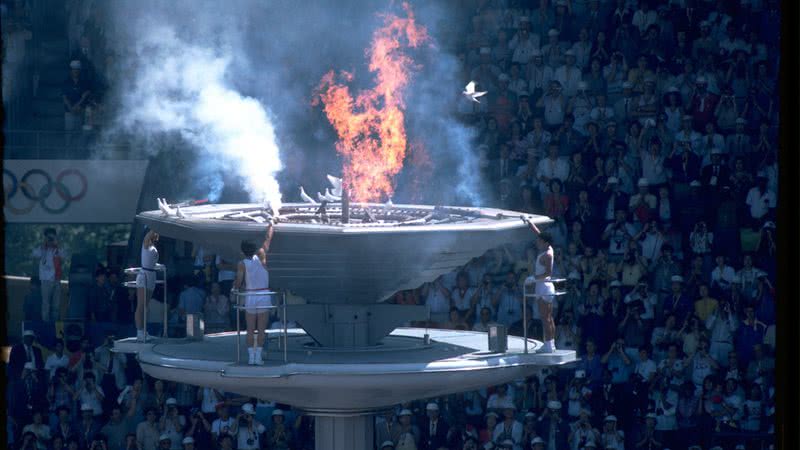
(344,433)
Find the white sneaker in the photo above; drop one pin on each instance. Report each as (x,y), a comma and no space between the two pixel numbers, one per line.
(140,335)
(259,360)
(251,356)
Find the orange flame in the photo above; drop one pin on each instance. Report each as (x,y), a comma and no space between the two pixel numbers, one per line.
(371,128)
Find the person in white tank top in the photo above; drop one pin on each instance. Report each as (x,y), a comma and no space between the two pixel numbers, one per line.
(545,291)
(251,274)
(145,279)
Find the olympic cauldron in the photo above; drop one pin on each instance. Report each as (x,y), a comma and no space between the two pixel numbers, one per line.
(350,355)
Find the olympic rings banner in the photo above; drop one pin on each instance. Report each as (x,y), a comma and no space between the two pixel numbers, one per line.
(71,191)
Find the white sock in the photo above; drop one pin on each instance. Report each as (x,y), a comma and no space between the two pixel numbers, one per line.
(251,355)
(258,360)
(139,334)
(552,344)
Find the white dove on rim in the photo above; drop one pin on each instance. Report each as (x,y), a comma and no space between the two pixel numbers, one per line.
(469,91)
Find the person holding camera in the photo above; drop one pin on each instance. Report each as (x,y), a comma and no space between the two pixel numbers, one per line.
(100,442)
(249,430)
(279,436)
(582,432)
(51,259)
(172,423)
(199,429)
(252,273)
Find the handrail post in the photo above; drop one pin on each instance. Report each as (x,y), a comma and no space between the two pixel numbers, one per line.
(525,319)
(285,331)
(146,301)
(166,307)
(238,328)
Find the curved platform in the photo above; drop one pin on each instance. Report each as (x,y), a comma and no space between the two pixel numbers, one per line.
(340,381)
(380,251)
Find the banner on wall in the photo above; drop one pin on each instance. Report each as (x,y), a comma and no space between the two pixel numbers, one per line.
(71,191)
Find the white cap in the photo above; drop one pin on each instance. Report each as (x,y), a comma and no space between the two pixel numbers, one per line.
(188,440)
(612,180)
(502,77)
(695,183)
(524,19)
(29,365)
(28,333)
(530,414)
(432,407)
(491,413)
(508,404)
(611,418)
(704,24)
(554,404)
(277,412)
(171,401)
(676,279)
(164,437)
(75,64)
(552,32)
(700,80)
(507,442)
(387,444)
(536,53)
(580,373)
(627,85)
(769,224)
(405,412)
(741,120)
(643,182)
(569,53)
(716,151)
(615,283)
(247,408)
(86,407)
(651,415)
(488,446)
(537,440)
(523,93)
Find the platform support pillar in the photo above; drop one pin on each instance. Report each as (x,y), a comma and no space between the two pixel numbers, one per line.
(344,433)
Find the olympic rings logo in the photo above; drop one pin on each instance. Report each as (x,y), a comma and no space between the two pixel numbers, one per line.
(36,186)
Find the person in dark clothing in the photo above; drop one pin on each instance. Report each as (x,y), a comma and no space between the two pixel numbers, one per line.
(24,353)
(433,429)
(101,309)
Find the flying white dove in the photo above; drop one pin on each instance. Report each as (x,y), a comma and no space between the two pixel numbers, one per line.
(306,198)
(337,185)
(469,91)
(164,207)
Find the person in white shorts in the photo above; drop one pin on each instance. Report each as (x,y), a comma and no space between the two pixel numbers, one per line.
(545,290)
(252,274)
(145,279)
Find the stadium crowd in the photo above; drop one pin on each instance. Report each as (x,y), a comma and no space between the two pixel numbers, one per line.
(646,130)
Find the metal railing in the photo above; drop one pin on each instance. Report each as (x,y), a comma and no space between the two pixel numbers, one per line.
(529,290)
(239,295)
(132,284)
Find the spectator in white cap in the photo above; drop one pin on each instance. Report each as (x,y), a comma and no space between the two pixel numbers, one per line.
(165,442)
(648,438)
(387,445)
(568,74)
(523,44)
(408,433)
(552,428)
(75,92)
(582,431)
(173,423)
(22,353)
(279,434)
(434,428)
(539,74)
(578,394)
(642,204)
(580,106)
(625,106)
(188,443)
(610,437)
(703,104)
(537,443)
(553,50)
(509,429)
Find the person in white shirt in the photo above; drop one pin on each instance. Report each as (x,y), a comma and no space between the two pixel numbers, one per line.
(224,424)
(91,394)
(568,74)
(51,259)
(250,431)
(539,74)
(145,280)
(646,367)
(722,276)
(437,298)
(56,359)
(582,49)
(554,104)
(523,44)
(644,17)
(509,428)
(760,200)
(550,168)
(252,273)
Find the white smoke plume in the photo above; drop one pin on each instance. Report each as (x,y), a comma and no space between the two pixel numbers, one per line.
(183,87)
